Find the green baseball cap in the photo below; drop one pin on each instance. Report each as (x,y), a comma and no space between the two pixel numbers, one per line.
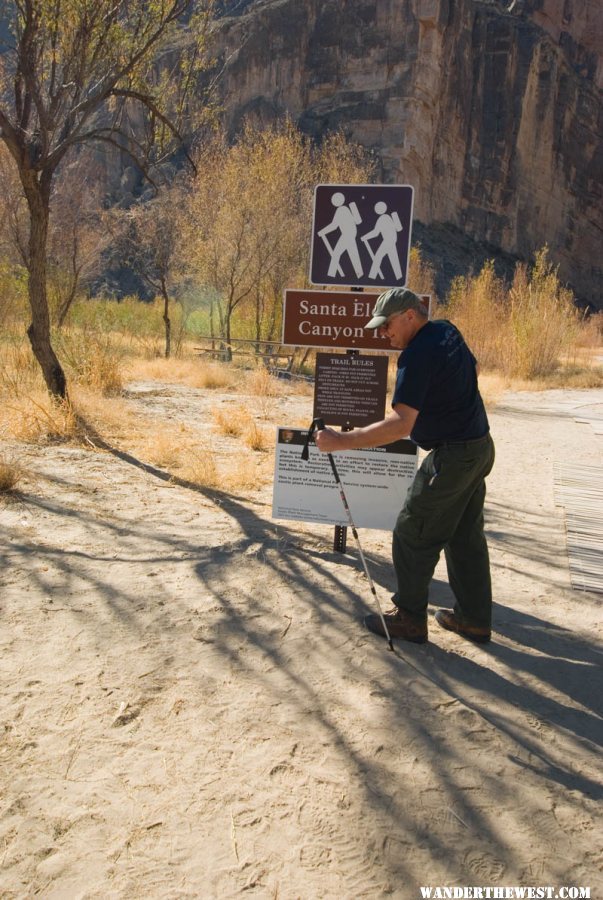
(394,300)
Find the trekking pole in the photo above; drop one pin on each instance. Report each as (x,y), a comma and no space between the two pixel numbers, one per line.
(318,425)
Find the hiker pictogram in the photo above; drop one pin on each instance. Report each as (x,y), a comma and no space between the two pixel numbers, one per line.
(361,235)
(346,221)
(387,228)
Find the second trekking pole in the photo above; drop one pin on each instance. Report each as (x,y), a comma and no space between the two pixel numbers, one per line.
(318,425)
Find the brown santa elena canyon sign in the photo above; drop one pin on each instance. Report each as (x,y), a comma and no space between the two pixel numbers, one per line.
(332,319)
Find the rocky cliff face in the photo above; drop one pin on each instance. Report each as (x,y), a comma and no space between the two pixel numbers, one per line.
(491,110)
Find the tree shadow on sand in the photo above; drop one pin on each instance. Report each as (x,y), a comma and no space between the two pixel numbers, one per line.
(424,695)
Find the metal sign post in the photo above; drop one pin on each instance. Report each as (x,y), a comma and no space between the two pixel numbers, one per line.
(340,537)
(360,236)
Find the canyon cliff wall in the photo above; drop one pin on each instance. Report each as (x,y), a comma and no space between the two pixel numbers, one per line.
(491,111)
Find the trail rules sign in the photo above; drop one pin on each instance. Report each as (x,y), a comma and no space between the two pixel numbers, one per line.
(350,390)
(361,235)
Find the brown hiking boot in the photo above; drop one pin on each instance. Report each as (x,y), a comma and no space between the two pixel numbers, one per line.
(481,634)
(400,624)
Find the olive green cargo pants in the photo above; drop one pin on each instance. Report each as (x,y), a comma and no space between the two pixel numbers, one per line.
(444,510)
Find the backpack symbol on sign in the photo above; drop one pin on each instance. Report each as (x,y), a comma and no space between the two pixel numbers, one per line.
(346,221)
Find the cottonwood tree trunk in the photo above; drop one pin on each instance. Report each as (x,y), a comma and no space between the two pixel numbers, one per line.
(66,305)
(225,329)
(272,326)
(228,347)
(74,279)
(258,318)
(166,319)
(38,199)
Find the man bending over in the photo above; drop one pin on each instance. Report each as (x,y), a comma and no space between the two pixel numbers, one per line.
(437,403)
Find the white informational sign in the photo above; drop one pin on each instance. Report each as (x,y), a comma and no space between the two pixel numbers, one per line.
(375,482)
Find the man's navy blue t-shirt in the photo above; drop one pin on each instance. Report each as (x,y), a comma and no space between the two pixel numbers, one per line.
(437,376)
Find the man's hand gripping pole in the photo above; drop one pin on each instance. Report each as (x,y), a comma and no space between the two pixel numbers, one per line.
(318,425)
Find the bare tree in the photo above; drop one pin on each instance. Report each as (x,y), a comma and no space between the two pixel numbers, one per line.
(14,220)
(244,221)
(249,219)
(150,236)
(77,236)
(78,71)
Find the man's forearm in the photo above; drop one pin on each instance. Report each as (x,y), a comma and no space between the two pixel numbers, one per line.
(390,429)
(397,425)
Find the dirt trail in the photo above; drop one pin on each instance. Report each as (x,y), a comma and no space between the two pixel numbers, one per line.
(191,708)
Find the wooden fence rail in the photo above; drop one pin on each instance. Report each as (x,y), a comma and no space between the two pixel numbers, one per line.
(277,357)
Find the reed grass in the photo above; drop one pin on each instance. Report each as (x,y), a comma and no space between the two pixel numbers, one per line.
(542,323)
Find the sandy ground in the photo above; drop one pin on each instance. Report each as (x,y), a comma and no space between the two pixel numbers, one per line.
(191,707)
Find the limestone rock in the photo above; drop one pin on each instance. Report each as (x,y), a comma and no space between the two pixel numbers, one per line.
(491,110)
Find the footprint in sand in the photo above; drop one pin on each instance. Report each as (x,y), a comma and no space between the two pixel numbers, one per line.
(484,866)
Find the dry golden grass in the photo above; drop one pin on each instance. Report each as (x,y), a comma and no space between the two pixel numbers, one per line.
(255,437)
(492,386)
(10,476)
(93,420)
(109,419)
(566,377)
(301,388)
(105,376)
(229,422)
(177,449)
(591,332)
(212,376)
(90,359)
(261,383)
(87,360)
(263,408)
(243,473)
(531,332)
(191,372)
(164,449)
(95,417)
(19,371)
(265,390)
(200,468)
(169,371)
(35,418)
(501,328)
